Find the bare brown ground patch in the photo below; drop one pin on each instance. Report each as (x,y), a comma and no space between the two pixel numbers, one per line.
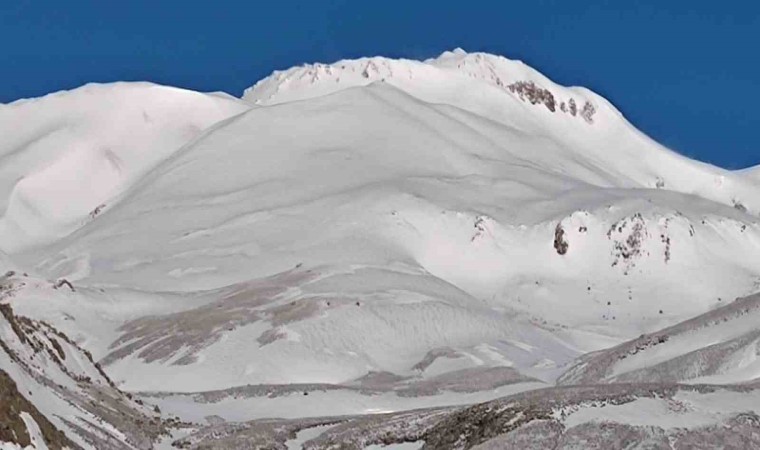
(13,428)
(185,333)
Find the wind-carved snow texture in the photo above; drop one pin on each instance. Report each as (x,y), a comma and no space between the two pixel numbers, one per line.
(357,240)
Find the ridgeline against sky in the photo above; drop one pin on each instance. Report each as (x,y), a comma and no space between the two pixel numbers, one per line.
(682,71)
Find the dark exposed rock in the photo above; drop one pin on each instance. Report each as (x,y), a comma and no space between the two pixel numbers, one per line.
(739,206)
(560,244)
(13,428)
(588,112)
(63,282)
(530,91)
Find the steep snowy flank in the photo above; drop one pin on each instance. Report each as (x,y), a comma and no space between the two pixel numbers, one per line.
(584,124)
(65,158)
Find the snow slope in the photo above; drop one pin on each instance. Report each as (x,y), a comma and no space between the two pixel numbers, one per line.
(495,87)
(720,346)
(751,172)
(66,387)
(593,417)
(65,158)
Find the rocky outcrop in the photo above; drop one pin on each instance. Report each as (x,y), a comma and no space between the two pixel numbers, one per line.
(560,244)
(528,91)
(13,429)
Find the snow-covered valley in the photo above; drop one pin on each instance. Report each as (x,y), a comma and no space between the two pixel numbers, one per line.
(373,244)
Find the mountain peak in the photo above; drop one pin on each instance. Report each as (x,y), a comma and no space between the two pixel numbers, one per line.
(483,83)
(459,51)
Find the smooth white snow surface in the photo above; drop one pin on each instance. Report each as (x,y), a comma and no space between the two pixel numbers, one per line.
(66,157)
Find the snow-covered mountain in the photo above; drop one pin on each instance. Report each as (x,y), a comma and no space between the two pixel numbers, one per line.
(596,144)
(66,157)
(380,235)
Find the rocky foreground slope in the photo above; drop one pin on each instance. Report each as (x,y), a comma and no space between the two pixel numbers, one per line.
(55,395)
(616,416)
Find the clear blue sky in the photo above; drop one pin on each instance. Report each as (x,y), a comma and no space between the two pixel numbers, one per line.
(685,72)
